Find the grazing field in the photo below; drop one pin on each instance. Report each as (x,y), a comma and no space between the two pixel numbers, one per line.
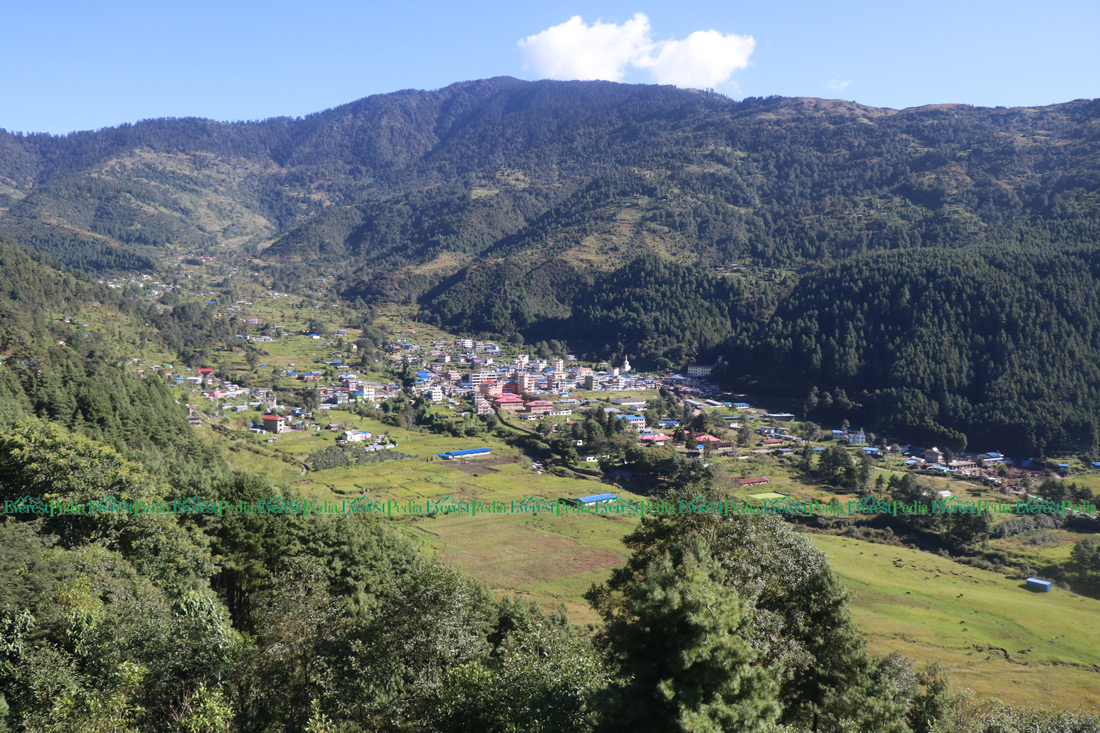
(987,631)
(552,559)
(1091,480)
(1041,547)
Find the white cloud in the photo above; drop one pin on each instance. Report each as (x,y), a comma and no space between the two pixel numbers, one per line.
(703,59)
(576,50)
(837,85)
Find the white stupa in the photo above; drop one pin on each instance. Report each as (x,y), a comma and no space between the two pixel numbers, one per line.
(625,369)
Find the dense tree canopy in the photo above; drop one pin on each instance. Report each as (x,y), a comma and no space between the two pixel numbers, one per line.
(996,344)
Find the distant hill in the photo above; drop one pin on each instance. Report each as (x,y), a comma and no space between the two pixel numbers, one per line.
(592,171)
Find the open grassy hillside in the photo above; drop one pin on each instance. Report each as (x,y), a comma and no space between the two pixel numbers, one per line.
(988,632)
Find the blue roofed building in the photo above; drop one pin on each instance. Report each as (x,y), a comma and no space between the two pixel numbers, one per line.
(468,453)
(593,500)
(1039,586)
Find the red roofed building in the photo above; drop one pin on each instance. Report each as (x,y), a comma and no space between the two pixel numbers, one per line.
(539,407)
(654,438)
(754,481)
(491,389)
(275,424)
(508,402)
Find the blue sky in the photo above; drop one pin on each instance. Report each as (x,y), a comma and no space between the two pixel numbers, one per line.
(80,65)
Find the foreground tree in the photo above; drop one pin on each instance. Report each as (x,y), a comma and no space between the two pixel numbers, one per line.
(549,669)
(683,653)
(799,617)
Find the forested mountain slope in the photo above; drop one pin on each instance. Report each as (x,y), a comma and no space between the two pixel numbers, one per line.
(57,368)
(609,216)
(999,343)
(501,168)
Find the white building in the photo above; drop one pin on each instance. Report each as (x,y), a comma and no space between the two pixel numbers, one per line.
(354,436)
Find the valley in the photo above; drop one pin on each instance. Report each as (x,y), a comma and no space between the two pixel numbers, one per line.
(852,351)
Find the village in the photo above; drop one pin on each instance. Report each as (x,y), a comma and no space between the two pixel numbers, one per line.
(483,377)
(312,377)
(338,406)
(478,377)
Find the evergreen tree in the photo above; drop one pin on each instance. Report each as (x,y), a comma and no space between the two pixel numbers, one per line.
(682,647)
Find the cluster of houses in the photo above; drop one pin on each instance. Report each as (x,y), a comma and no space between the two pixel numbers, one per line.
(151,287)
(347,388)
(209,386)
(476,370)
(967,465)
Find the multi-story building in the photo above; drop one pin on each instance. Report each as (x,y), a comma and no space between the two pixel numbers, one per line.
(275,424)
(525,381)
(490,389)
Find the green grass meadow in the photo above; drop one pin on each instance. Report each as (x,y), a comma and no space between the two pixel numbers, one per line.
(987,631)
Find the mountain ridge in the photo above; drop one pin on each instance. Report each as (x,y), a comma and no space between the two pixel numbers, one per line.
(510,207)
